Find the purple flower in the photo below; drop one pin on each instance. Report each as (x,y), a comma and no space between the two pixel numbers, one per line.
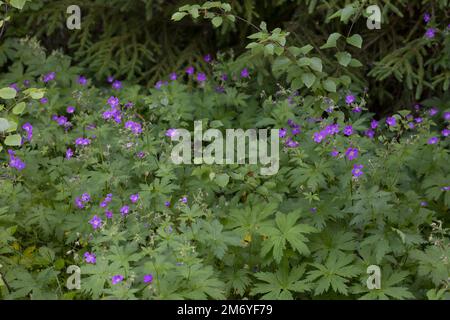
(313,210)
(148,278)
(135,127)
(116,279)
(173,76)
(140,154)
(447,188)
(207,58)
(391,121)
(82,141)
(349,99)
(447,116)
(167,203)
(124,210)
(85,197)
(356,109)
(184,200)
(201,77)
(171,132)
(90,257)
(70,109)
(190,70)
(356,171)
(15,162)
(295,131)
(224,77)
(431,32)
(411,125)
(82,80)
(282,132)
(351,153)
(26,83)
(108,214)
(433,140)
(14,86)
(29,130)
(43,100)
(113,101)
(426,17)
(96,222)
(433,111)
(423,204)
(332,129)
(134,198)
(418,120)
(348,130)
(129,104)
(319,136)
(334,153)
(117,85)
(445,132)
(69,153)
(291,143)
(245,73)
(159,84)
(79,203)
(110,79)
(49,77)
(370,133)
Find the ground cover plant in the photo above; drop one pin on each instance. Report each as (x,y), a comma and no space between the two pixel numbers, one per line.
(87,179)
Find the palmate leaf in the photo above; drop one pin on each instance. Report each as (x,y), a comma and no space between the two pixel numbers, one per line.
(432,263)
(281,284)
(99,275)
(335,274)
(285,230)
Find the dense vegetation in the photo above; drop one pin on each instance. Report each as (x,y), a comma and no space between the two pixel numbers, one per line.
(85,140)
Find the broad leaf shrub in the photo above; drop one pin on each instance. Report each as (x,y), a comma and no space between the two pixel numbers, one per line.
(93,184)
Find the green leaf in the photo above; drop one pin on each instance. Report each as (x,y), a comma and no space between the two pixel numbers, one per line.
(316,64)
(344,58)
(355,40)
(177,16)
(217,21)
(331,42)
(308,79)
(7,93)
(13,140)
(18,3)
(222,179)
(18,108)
(329,85)
(4,124)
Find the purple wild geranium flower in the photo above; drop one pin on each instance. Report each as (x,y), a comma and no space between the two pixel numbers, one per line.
(96,222)
(207,58)
(433,111)
(319,136)
(431,32)
(108,214)
(167,203)
(224,77)
(110,79)
(291,143)
(159,84)
(190,70)
(90,257)
(116,85)
(69,153)
(171,132)
(334,153)
(82,141)
(282,133)
(446,116)
(49,77)
(79,203)
(15,162)
(370,133)
(70,109)
(433,140)
(82,80)
(445,132)
(356,109)
(43,100)
(173,76)
(113,101)
(245,73)
(411,125)
(357,170)
(348,130)
(201,77)
(184,200)
(135,127)
(85,197)
(14,86)
(391,121)
(124,210)
(116,279)
(447,188)
(148,278)
(351,153)
(129,104)
(426,17)
(423,203)
(28,128)
(295,131)
(134,198)
(418,120)
(349,99)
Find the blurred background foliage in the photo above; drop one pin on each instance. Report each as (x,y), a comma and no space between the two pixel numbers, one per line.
(135,40)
